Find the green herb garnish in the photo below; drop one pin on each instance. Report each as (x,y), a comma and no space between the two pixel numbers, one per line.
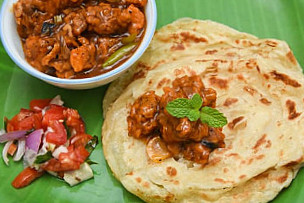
(5,121)
(67,129)
(43,158)
(92,144)
(193,110)
(90,162)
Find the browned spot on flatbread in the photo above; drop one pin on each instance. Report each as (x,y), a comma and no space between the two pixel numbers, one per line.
(262,176)
(258,69)
(260,142)
(214,161)
(237,41)
(150,82)
(218,82)
(169,197)
(250,161)
(230,101)
(139,74)
(146,184)
(281,153)
(247,43)
(190,71)
(285,79)
(188,37)
(294,163)
(260,157)
(231,54)
(210,52)
(242,176)
(268,145)
(265,101)
(130,173)
(283,178)
(177,47)
(162,82)
(240,77)
(158,63)
(291,57)
(232,124)
(266,76)
(291,106)
(171,171)
(225,170)
(138,179)
(250,90)
(233,154)
(176,182)
(220,180)
(271,43)
(251,64)
(178,72)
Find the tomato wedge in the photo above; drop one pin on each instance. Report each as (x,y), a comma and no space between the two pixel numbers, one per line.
(24,120)
(58,136)
(38,104)
(27,176)
(74,121)
(80,140)
(68,161)
(55,112)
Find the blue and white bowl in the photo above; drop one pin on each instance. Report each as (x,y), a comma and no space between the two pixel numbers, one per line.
(12,44)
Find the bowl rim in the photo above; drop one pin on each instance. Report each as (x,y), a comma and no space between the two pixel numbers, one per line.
(124,66)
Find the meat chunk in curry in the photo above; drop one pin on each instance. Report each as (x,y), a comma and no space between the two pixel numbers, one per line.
(178,137)
(74,38)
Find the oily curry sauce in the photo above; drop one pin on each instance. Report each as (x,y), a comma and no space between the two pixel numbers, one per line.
(74,38)
(167,136)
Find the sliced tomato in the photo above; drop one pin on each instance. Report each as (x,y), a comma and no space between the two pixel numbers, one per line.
(24,120)
(68,161)
(12,149)
(74,121)
(38,104)
(80,140)
(27,176)
(58,134)
(76,154)
(55,112)
(31,122)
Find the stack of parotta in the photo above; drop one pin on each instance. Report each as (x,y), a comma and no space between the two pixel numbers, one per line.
(260,89)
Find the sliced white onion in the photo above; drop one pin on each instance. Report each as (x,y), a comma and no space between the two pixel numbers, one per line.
(4,152)
(58,150)
(20,150)
(57,100)
(29,157)
(2,132)
(83,173)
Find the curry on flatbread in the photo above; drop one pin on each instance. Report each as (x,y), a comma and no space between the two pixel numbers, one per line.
(258,86)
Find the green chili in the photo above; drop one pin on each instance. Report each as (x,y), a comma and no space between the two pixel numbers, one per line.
(129,39)
(119,54)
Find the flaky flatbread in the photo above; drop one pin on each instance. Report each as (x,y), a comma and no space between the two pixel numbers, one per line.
(260,88)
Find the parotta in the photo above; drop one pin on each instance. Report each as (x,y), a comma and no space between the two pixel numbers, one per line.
(260,89)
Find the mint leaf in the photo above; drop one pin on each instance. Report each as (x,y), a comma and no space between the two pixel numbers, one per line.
(179,108)
(196,101)
(212,117)
(193,115)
